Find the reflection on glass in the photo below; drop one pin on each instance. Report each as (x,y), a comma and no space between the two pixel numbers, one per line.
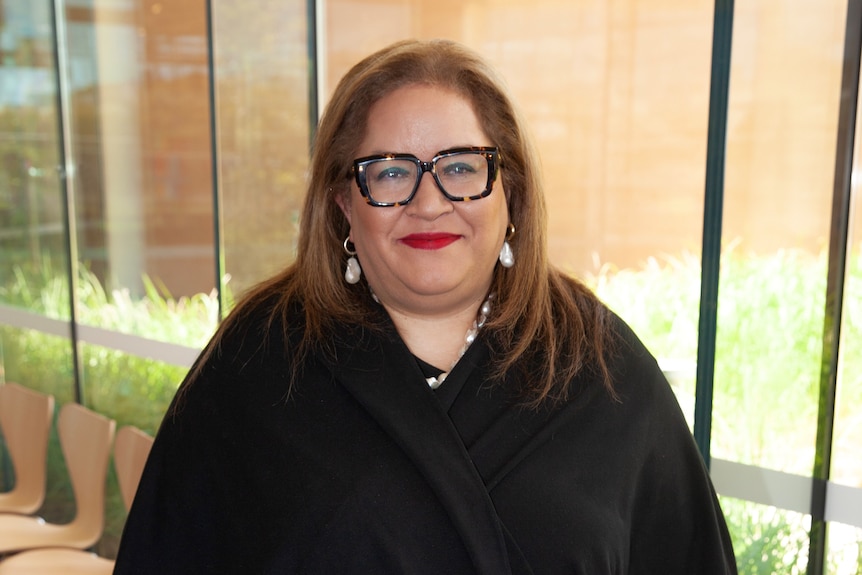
(32,227)
(261,70)
(140,140)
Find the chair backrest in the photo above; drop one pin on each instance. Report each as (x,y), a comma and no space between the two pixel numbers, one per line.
(131,449)
(25,420)
(86,438)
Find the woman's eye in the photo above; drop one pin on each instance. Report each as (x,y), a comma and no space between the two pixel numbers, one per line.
(459,169)
(392,173)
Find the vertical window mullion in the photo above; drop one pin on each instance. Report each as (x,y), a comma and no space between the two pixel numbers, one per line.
(66,171)
(214,159)
(838,237)
(313,68)
(712,222)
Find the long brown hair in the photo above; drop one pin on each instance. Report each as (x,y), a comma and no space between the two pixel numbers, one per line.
(545,324)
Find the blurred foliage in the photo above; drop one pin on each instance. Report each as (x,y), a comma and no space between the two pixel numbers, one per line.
(769,347)
(767,540)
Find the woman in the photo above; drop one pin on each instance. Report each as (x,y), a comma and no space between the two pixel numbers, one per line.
(421,391)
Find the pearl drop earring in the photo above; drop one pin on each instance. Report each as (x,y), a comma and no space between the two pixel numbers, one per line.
(353,271)
(507,257)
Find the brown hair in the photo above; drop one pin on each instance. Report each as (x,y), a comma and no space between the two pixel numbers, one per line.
(545,324)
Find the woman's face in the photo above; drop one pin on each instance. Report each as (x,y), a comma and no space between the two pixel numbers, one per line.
(432,255)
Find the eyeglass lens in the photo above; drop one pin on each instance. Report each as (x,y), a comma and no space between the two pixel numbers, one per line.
(393,180)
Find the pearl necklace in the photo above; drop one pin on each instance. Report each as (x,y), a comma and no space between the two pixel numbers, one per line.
(469,338)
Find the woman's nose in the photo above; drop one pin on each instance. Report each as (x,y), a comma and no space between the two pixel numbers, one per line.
(429,200)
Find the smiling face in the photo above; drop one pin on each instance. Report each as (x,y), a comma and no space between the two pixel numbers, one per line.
(432,255)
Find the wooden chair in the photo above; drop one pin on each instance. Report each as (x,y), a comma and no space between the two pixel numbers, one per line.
(85,439)
(131,449)
(25,420)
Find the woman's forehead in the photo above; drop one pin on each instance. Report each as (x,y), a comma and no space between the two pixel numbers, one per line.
(421,119)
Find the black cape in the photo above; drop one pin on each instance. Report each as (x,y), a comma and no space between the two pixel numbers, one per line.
(364,469)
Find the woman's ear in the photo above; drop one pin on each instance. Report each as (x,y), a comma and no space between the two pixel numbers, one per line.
(342,198)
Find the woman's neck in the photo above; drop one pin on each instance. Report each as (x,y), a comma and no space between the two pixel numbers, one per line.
(438,340)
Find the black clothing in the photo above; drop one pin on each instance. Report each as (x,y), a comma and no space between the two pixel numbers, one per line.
(364,469)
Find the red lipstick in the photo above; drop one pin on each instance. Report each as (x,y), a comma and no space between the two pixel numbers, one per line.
(429,241)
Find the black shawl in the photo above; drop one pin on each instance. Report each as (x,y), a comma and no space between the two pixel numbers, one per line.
(364,469)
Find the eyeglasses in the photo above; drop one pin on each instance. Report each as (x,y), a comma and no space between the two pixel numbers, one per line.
(462,174)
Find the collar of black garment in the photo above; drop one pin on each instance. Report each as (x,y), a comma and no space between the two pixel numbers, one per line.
(383,376)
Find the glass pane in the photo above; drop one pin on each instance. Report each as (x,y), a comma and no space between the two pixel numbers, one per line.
(132,391)
(617,97)
(44,363)
(660,300)
(33,254)
(38,361)
(261,68)
(847,466)
(845,550)
(845,542)
(129,389)
(141,145)
(767,540)
(784,96)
